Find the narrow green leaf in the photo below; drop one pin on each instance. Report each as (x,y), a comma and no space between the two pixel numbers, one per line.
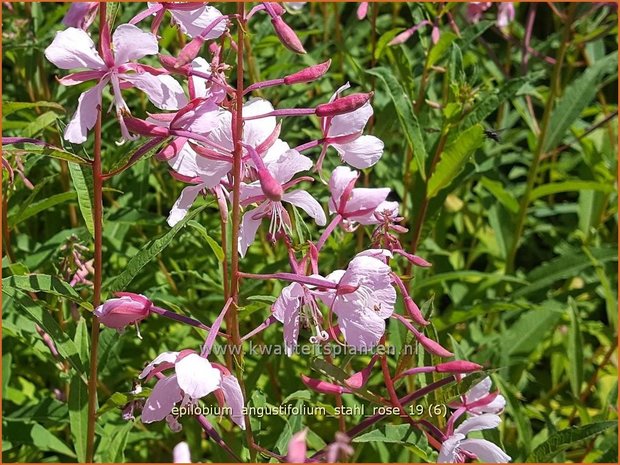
(576,97)
(562,440)
(440,48)
(454,158)
(40,123)
(575,350)
(38,207)
(149,252)
(500,193)
(215,247)
(33,310)
(11,107)
(406,116)
(47,284)
(26,148)
(78,415)
(523,336)
(569,186)
(83,183)
(21,432)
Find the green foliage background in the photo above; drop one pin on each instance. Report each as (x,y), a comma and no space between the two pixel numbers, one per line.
(536,305)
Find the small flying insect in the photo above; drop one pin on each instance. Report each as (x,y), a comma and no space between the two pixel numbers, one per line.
(493,134)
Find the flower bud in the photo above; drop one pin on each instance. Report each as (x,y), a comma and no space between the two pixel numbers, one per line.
(414,311)
(140,126)
(120,312)
(324,387)
(458,366)
(307,74)
(169,63)
(432,346)
(189,52)
(287,36)
(343,105)
(271,188)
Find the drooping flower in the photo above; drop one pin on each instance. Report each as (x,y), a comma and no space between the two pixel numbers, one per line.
(73,49)
(280,165)
(81,14)
(354,205)
(194,377)
(364,299)
(457,448)
(480,400)
(297,447)
(505,14)
(344,133)
(126,309)
(192,18)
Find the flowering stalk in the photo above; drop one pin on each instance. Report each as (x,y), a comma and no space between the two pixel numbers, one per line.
(97,275)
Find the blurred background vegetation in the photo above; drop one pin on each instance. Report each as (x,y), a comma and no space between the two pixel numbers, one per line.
(521,228)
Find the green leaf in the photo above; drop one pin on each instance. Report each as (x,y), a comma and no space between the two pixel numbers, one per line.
(47,284)
(83,183)
(454,158)
(523,336)
(38,207)
(562,440)
(502,195)
(11,107)
(25,148)
(215,247)
(576,97)
(21,432)
(42,122)
(569,186)
(440,48)
(138,154)
(406,117)
(66,348)
(113,449)
(575,350)
(149,252)
(78,415)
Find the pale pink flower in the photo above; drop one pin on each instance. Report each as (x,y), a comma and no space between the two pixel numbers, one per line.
(81,14)
(73,48)
(208,171)
(344,133)
(194,377)
(297,447)
(125,310)
(181,453)
(354,205)
(364,299)
(480,400)
(340,449)
(402,37)
(296,306)
(505,14)
(192,18)
(362,10)
(476,9)
(457,448)
(282,163)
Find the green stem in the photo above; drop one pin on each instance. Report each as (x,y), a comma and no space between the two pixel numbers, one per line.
(540,148)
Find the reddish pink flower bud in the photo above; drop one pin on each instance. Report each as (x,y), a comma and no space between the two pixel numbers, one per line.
(287,36)
(323,386)
(343,105)
(271,188)
(308,74)
(189,52)
(414,311)
(433,347)
(139,126)
(458,366)
(169,63)
(123,311)
(172,149)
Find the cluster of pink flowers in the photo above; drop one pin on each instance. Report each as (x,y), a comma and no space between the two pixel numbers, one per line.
(200,131)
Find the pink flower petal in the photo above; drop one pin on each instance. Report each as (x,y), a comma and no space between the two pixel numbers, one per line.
(307,203)
(196,376)
(164,396)
(234,398)
(286,311)
(193,22)
(183,203)
(485,450)
(362,153)
(249,226)
(85,115)
(73,48)
(163,90)
(132,43)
